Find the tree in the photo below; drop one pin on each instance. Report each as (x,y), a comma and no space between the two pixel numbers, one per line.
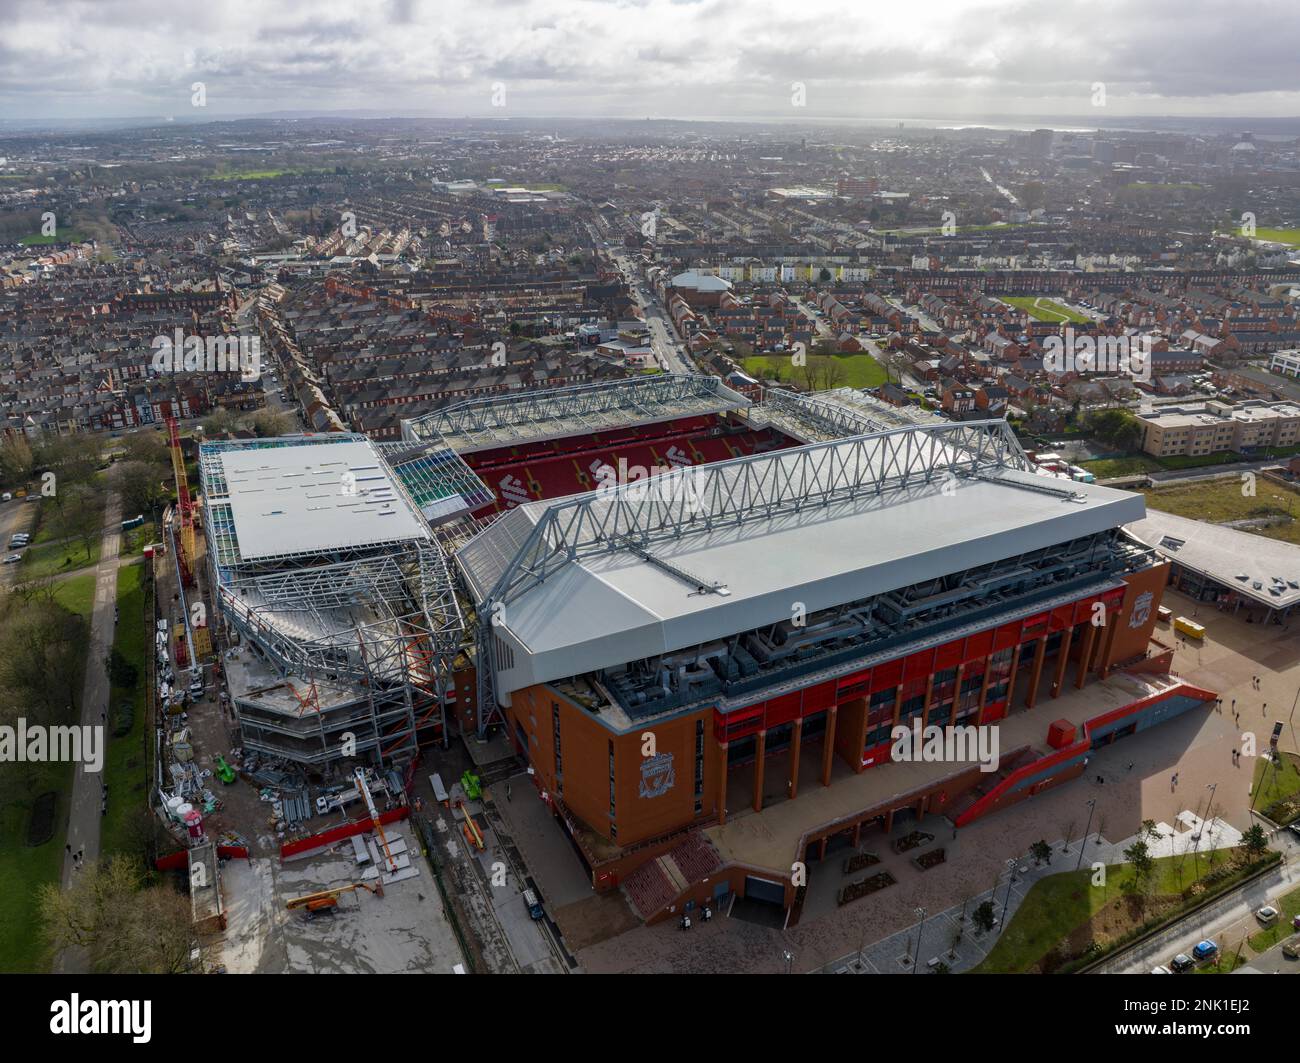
(125,926)
(16,461)
(1143,865)
(1041,852)
(1117,427)
(78,514)
(1255,841)
(140,484)
(147,447)
(267,423)
(220,422)
(983,916)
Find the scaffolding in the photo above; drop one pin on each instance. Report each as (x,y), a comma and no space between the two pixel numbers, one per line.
(375,626)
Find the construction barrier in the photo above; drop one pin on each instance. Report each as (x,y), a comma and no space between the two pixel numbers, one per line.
(308,846)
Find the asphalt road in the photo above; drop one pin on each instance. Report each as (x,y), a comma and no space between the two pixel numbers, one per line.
(1228,920)
(663,338)
(15,516)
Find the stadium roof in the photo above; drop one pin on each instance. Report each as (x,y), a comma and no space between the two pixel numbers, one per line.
(539,414)
(600,579)
(314,498)
(835,414)
(323,558)
(1265,570)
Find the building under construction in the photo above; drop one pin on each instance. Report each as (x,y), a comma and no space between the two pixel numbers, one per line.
(340,611)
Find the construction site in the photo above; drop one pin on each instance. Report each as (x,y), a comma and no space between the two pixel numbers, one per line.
(496,599)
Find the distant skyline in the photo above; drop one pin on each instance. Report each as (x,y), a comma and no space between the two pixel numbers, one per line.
(91,59)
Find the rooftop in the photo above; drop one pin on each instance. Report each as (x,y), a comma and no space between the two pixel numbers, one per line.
(608,577)
(539,414)
(311,498)
(1251,564)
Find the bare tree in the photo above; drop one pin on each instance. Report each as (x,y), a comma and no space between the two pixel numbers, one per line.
(125,926)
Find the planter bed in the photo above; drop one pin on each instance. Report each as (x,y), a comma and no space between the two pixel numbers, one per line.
(879,881)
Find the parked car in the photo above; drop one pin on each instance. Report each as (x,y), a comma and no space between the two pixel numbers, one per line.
(1205,950)
(13,559)
(1291,950)
(1267,915)
(1160,968)
(1182,962)
(533,905)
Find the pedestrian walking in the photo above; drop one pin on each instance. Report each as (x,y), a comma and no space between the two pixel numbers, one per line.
(507,791)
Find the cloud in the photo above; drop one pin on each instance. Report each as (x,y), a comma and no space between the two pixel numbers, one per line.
(80,58)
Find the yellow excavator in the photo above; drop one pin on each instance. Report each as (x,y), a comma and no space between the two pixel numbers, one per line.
(327,901)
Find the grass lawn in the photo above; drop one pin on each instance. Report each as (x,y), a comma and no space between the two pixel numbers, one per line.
(77,594)
(23,868)
(49,559)
(1290,237)
(1041,309)
(1063,913)
(1276,782)
(860,370)
(124,765)
(68,236)
(263,175)
(1221,500)
(135,540)
(1175,462)
(1104,468)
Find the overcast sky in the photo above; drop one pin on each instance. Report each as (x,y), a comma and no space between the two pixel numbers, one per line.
(662,58)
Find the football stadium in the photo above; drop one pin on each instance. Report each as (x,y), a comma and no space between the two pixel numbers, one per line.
(664,597)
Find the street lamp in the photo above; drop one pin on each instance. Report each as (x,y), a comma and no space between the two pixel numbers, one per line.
(920,914)
(1011,877)
(1196,842)
(1092,806)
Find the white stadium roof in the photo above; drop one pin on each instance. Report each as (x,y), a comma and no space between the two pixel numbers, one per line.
(315,498)
(600,579)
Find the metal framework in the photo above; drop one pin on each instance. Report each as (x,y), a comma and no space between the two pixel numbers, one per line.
(725,494)
(527,416)
(380,622)
(827,415)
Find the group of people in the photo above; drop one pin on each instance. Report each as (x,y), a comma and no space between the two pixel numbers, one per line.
(706,913)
